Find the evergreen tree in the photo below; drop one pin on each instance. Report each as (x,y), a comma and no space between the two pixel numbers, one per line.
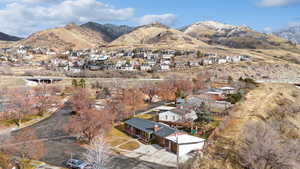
(74,83)
(82,83)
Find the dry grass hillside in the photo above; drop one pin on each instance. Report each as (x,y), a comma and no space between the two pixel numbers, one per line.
(262,131)
(70,36)
(275,64)
(157,35)
(6,44)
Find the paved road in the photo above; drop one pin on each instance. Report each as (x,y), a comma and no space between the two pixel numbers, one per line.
(60,149)
(65,77)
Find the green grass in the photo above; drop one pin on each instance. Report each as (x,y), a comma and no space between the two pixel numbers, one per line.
(24,120)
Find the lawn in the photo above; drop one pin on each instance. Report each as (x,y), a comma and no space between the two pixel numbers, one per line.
(24,120)
(28,119)
(116,137)
(117,131)
(116,141)
(145,116)
(131,145)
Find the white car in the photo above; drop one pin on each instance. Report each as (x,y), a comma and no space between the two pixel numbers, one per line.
(77,164)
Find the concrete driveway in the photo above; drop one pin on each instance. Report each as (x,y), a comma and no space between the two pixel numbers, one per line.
(156,154)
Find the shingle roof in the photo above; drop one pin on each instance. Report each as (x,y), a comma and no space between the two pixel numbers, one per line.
(147,126)
(165,131)
(181,111)
(141,124)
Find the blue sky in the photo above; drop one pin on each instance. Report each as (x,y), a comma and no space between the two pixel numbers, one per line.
(23,17)
(248,12)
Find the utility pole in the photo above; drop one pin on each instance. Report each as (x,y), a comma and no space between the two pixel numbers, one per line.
(177,152)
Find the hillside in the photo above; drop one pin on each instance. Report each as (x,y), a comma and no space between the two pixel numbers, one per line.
(235,36)
(70,36)
(111,31)
(157,35)
(255,136)
(6,37)
(292,34)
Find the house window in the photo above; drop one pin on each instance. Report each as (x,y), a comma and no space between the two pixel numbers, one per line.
(166,117)
(173,117)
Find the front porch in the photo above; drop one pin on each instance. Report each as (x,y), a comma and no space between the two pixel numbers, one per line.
(142,136)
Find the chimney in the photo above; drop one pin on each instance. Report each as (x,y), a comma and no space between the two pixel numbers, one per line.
(156,128)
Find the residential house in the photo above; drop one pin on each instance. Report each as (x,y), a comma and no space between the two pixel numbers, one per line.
(167,137)
(178,115)
(164,67)
(95,57)
(145,67)
(194,64)
(180,65)
(128,67)
(227,90)
(198,100)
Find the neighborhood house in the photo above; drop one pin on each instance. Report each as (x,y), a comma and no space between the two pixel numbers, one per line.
(178,115)
(163,135)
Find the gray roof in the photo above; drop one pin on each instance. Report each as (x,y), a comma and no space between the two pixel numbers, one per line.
(165,131)
(141,124)
(181,111)
(147,126)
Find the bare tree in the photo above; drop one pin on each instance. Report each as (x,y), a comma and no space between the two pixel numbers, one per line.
(169,88)
(81,100)
(200,82)
(150,90)
(89,124)
(116,106)
(265,149)
(21,103)
(133,98)
(98,153)
(26,145)
(45,98)
(5,162)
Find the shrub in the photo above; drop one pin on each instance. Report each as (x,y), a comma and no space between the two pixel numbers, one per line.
(234,98)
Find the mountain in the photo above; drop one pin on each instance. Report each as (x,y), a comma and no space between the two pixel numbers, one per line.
(291,33)
(111,31)
(264,135)
(70,36)
(234,36)
(6,37)
(157,35)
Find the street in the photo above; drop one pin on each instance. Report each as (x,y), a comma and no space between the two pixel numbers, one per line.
(60,146)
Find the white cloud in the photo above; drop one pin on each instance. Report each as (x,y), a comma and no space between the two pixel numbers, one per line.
(268,30)
(23,17)
(273,3)
(294,23)
(167,19)
(20,18)
(37,1)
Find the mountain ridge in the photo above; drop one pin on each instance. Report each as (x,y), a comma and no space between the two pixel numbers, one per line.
(110,30)
(6,37)
(69,36)
(291,33)
(217,33)
(159,35)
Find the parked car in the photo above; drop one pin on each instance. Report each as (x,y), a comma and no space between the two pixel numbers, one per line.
(77,164)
